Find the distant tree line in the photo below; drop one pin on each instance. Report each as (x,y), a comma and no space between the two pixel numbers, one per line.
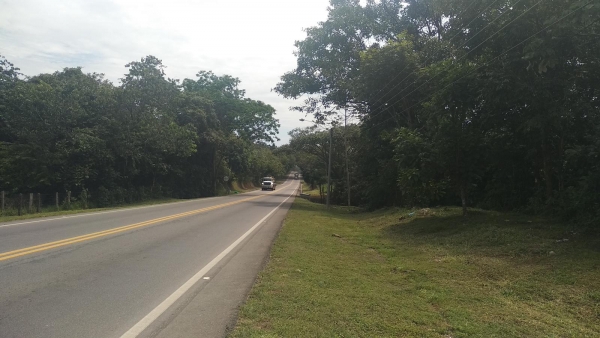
(491,104)
(149,136)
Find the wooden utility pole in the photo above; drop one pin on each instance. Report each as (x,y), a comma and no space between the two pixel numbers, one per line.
(2,202)
(56,201)
(346,151)
(329,166)
(30,209)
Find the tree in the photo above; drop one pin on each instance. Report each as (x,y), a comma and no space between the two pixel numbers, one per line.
(150,136)
(493,103)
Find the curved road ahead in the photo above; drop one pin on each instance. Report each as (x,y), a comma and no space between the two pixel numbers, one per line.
(171,270)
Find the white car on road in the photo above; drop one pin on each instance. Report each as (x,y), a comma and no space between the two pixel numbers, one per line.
(268,184)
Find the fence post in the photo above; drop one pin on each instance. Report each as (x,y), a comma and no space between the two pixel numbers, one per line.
(69,199)
(2,202)
(84,197)
(30,209)
(57,201)
(39,205)
(20,203)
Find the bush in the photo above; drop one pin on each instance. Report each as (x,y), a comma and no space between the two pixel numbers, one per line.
(118,194)
(104,197)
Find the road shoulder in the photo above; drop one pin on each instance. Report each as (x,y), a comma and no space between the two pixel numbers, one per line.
(230,282)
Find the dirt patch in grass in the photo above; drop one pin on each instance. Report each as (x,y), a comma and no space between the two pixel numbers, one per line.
(343,273)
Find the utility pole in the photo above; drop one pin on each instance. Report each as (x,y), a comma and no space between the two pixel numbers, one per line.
(329,167)
(346,151)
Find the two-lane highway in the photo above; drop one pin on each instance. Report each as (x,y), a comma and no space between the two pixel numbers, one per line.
(172,270)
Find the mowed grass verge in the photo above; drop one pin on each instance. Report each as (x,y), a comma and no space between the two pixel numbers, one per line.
(343,273)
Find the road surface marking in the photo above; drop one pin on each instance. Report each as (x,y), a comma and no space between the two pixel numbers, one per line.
(68,241)
(162,307)
(93,213)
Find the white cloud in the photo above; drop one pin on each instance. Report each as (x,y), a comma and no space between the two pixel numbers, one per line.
(251,40)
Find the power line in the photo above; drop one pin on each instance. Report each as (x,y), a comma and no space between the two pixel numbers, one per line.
(465,55)
(475,18)
(462,57)
(449,41)
(405,67)
(487,63)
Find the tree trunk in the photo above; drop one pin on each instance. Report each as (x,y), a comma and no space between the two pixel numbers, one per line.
(463,198)
(547,170)
(561,151)
(321,193)
(215,172)
(153,181)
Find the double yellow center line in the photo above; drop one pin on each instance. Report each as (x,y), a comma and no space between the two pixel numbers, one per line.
(68,241)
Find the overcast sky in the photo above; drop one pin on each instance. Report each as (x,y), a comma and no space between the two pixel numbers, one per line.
(249,39)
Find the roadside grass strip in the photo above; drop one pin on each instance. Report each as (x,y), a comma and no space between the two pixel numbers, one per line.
(343,273)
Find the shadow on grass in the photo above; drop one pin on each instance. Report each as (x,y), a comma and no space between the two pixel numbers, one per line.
(488,233)
(438,226)
(335,211)
(494,234)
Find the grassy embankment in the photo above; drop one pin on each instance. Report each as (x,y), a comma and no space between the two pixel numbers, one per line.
(340,273)
(237,187)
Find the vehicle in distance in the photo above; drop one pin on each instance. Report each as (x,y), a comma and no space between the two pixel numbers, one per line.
(268,183)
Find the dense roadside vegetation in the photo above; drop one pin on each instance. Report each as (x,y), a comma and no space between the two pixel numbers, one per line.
(343,273)
(149,137)
(490,104)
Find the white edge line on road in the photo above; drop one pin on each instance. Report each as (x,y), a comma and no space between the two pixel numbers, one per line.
(162,307)
(118,210)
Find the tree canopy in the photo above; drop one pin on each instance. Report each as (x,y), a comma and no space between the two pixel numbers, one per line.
(71,131)
(492,104)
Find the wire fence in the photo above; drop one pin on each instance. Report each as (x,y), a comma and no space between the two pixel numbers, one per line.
(31,203)
(19,204)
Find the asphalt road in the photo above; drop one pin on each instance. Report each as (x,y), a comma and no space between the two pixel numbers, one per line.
(172,270)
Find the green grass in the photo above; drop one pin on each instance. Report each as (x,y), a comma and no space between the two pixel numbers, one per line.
(51,211)
(344,273)
(236,187)
(314,194)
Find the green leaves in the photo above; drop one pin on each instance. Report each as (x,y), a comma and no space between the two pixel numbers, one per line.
(253,121)
(478,103)
(74,131)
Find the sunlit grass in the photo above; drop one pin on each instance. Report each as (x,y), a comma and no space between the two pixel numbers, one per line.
(433,274)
